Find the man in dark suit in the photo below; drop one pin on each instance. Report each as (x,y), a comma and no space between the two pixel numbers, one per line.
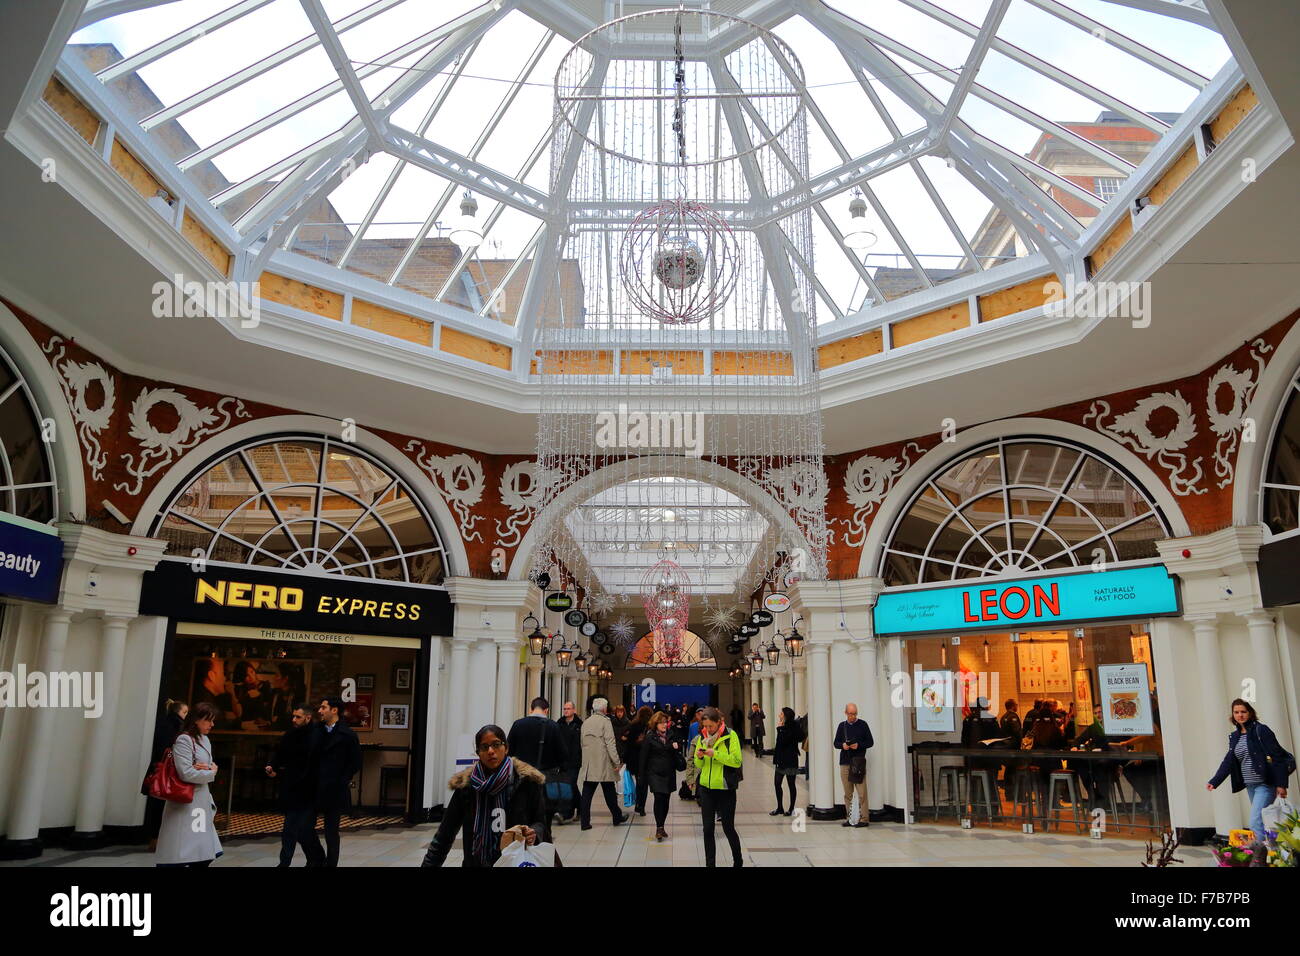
(337,759)
(536,739)
(292,767)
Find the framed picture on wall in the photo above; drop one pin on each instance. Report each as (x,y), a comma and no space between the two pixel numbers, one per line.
(1056,667)
(402,678)
(360,713)
(394,716)
(1141,644)
(1082,698)
(252,695)
(365,682)
(934,706)
(1029,659)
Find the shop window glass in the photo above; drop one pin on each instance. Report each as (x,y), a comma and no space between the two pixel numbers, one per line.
(26,468)
(1018,507)
(305,504)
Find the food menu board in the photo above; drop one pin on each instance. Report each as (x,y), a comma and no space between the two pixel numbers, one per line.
(934,711)
(1029,658)
(1125,700)
(1056,667)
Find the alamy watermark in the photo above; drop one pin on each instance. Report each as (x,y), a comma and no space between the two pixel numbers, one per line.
(668,430)
(240,301)
(1100,300)
(77,690)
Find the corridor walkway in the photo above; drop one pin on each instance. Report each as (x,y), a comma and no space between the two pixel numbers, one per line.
(767,841)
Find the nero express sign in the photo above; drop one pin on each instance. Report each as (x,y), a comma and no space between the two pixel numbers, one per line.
(265,599)
(1089,596)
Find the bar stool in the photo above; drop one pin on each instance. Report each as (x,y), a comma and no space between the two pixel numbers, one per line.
(988,787)
(952,776)
(1026,793)
(1067,781)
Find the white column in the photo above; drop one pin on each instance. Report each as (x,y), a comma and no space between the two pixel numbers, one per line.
(1209,666)
(800,685)
(456,717)
(869,710)
(532,679)
(507,674)
(483,686)
(99,741)
(1270,701)
(821,769)
(25,820)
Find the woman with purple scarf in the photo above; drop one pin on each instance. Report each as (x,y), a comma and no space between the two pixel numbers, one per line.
(489,800)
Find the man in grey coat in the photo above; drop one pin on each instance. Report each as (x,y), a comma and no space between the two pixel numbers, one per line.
(600,762)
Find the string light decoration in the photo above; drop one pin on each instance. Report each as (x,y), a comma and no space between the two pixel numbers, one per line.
(685,353)
(666,597)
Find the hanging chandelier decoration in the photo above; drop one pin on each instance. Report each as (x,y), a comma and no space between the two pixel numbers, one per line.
(675,327)
(666,597)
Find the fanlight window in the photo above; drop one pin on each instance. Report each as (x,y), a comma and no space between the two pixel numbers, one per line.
(305,504)
(691,651)
(27,486)
(1280,493)
(1018,506)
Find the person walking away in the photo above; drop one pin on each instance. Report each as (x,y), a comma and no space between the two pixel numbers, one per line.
(1256,762)
(291,766)
(619,722)
(718,757)
(165,733)
(757,729)
(661,758)
(633,737)
(496,782)
(785,758)
(338,758)
(600,763)
(570,725)
(537,739)
(187,835)
(853,740)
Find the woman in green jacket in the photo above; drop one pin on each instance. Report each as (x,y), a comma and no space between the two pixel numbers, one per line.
(718,757)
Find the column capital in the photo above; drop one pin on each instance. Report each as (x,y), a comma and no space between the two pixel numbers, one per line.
(833,595)
(1258,618)
(1212,555)
(486,593)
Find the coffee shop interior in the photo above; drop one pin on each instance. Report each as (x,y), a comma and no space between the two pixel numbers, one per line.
(1051,762)
(256,684)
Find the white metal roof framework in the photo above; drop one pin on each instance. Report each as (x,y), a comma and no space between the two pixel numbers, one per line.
(387,72)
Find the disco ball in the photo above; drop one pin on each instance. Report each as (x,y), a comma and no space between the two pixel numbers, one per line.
(678,262)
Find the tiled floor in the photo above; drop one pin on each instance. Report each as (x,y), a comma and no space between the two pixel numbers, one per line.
(767,841)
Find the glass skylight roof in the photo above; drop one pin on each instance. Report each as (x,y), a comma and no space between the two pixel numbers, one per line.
(347,132)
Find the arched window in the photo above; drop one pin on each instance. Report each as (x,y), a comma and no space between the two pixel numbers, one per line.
(1279,498)
(1019,505)
(691,651)
(305,503)
(27,487)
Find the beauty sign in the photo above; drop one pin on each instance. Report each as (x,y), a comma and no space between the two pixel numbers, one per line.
(1125,700)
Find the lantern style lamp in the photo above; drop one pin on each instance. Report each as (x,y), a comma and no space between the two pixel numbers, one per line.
(757,660)
(580,663)
(745,666)
(773,654)
(465,230)
(794,640)
(563,654)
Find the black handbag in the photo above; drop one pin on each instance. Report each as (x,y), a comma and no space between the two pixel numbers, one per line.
(858,768)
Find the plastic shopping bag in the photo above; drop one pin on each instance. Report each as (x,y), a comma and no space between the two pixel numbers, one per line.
(629,789)
(520,854)
(1276,813)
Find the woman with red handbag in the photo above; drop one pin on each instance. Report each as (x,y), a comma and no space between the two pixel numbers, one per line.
(188,835)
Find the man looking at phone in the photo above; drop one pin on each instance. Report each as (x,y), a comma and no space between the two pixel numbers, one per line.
(853,740)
